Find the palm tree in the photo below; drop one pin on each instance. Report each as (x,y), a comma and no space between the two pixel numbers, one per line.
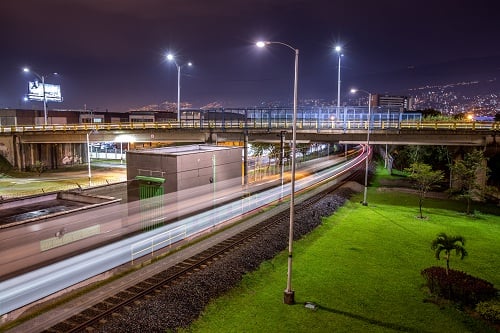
(446,243)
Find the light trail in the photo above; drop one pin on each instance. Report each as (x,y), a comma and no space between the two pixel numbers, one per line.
(37,284)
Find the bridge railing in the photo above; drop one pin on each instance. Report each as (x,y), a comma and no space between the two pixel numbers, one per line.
(304,124)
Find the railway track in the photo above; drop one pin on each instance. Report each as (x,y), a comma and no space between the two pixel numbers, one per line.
(117,305)
(92,317)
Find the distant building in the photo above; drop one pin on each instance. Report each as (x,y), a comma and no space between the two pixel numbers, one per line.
(405,103)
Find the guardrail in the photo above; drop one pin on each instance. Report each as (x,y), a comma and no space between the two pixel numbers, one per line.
(254,124)
(159,241)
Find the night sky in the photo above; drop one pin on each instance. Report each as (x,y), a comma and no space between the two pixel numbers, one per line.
(111,53)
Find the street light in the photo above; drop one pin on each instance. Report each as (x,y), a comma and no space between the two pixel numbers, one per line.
(42,78)
(367,141)
(170,57)
(338,49)
(88,158)
(289,294)
(89,152)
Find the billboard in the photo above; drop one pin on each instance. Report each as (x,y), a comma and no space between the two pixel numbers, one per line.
(52,92)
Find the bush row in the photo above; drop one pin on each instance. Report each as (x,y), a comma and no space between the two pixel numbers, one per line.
(458,286)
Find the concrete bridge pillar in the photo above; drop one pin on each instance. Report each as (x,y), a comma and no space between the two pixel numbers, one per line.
(388,159)
(23,156)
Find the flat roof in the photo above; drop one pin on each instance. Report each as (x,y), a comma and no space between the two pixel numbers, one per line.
(182,150)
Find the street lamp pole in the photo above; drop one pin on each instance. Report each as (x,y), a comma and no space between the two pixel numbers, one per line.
(289,294)
(170,57)
(338,49)
(89,152)
(88,158)
(45,118)
(365,203)
(42,78)
(178,92)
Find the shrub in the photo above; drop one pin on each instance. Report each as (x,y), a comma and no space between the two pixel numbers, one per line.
(489,311)
(5,166)
(458,286)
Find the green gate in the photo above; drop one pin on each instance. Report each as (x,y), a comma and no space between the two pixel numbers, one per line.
(151,201)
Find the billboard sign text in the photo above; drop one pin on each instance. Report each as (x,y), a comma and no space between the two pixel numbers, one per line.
(52,92)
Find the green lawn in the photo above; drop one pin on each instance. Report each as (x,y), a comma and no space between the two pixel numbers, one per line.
(362,267)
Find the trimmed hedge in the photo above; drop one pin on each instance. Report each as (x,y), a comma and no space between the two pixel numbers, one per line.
(458,286)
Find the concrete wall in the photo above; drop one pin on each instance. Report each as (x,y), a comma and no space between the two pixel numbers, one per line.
(207,167)
(116,190)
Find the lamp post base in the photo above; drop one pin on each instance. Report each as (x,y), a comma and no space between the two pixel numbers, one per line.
(289,297)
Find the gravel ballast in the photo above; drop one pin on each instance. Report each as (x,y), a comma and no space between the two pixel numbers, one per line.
(179,305)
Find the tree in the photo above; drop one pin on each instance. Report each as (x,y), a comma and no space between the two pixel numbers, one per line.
(446,243)
(275,153)
(466,171)
(258,150)
(412,154)
(444,157)
(429,113)
(415,154)
(424,178)
(270,150)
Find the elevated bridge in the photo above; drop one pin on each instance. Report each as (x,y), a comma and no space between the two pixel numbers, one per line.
(22,145)
(381,132)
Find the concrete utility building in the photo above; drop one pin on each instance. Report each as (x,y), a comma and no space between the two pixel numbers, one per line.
(153,172)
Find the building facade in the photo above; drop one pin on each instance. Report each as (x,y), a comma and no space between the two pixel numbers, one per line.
(403,102)
(173,169)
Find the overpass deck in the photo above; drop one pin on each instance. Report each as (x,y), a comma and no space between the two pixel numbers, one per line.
(381,132)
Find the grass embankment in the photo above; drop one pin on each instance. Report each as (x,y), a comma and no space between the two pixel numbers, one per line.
(362,267)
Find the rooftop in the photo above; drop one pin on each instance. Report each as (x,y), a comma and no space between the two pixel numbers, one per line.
(182,150)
